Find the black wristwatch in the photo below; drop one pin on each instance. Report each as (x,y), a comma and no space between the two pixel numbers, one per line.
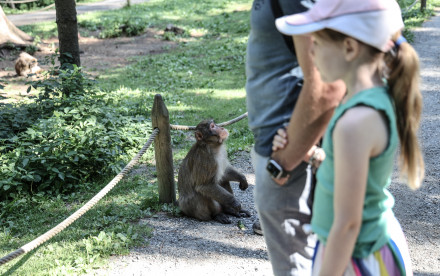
(276,170)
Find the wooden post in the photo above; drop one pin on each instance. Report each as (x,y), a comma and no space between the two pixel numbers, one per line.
(163,153)
(11,4)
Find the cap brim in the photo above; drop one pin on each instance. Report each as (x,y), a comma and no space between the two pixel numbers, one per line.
(362,26)
(287,28)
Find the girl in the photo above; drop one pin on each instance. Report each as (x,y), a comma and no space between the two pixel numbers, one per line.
(360,43)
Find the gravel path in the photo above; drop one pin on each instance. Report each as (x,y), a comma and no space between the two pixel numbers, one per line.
(182,245)
(419,212)
(49,15)
(186,246)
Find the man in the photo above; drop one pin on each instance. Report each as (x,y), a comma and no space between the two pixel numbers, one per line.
(273,86)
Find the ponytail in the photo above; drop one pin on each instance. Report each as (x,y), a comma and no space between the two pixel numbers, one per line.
(403,80)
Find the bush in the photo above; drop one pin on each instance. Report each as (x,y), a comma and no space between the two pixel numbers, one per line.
(70,135)
(67,81)
(16,118)
(115,26)
(81,141)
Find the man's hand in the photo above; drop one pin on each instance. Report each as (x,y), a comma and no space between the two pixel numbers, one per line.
(279,140)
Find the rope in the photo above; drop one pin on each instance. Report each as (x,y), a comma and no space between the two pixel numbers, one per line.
(410,7)
(92,202)
(178,127)
(60,227)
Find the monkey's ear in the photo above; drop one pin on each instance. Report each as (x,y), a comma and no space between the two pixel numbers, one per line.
(199,135)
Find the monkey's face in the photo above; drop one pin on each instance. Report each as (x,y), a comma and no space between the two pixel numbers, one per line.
(32,63)
(220,131)
(208,132)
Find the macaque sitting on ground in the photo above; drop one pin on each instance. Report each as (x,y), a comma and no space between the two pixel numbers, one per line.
(203,181)
(26,64)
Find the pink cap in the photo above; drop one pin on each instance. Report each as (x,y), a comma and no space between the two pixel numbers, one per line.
(370,21)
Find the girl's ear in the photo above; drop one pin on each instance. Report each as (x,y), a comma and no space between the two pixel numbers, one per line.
(351,48)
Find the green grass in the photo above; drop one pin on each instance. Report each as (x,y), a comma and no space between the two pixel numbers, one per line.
(111,227)
(203,77)
(413,17)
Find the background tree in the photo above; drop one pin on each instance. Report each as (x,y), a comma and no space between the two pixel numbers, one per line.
(422,5)
(10,34)
(67,26)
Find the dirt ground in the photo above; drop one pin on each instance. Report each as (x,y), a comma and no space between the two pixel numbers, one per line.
(96,56)
(184,245)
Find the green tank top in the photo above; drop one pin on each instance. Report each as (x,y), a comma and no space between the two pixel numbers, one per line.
(378,201)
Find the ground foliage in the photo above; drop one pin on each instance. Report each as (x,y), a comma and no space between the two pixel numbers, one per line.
(79,130)
(70,135)
(56,152)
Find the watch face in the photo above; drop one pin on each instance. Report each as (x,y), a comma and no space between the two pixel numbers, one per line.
(274,169)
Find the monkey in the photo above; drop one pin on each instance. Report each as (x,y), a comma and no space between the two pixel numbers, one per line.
(204,174)
(26,64)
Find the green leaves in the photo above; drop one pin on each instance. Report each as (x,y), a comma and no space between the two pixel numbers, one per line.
(82,140)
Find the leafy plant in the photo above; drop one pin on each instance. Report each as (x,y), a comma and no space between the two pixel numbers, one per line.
(65,82)
(413,16)
(116,26)
(199,76)
(82,140)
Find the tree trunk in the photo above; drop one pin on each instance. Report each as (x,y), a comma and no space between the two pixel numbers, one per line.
(422,5)
(11,34)
(67,32)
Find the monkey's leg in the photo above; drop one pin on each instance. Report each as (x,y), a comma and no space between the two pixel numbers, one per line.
(216,192)
(231,211)
(216,210)
(207,209)
(196,206)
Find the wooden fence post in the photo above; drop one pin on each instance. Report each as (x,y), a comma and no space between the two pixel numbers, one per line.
(11,4)
(163,153)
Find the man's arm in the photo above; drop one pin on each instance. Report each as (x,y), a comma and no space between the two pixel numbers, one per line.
(312,111)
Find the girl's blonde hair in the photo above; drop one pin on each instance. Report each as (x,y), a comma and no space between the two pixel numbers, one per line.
(402,74)
(403,79)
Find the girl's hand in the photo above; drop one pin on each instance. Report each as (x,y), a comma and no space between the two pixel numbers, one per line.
(315,156)
(279,140)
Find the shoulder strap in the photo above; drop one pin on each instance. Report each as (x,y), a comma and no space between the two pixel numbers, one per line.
(278,12)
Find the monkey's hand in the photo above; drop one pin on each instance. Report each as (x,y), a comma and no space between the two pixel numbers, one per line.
(244,213)
(243,184)
(222,218)
(232,209)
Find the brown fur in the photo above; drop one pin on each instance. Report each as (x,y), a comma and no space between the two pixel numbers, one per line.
(203,181)
(26,64)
